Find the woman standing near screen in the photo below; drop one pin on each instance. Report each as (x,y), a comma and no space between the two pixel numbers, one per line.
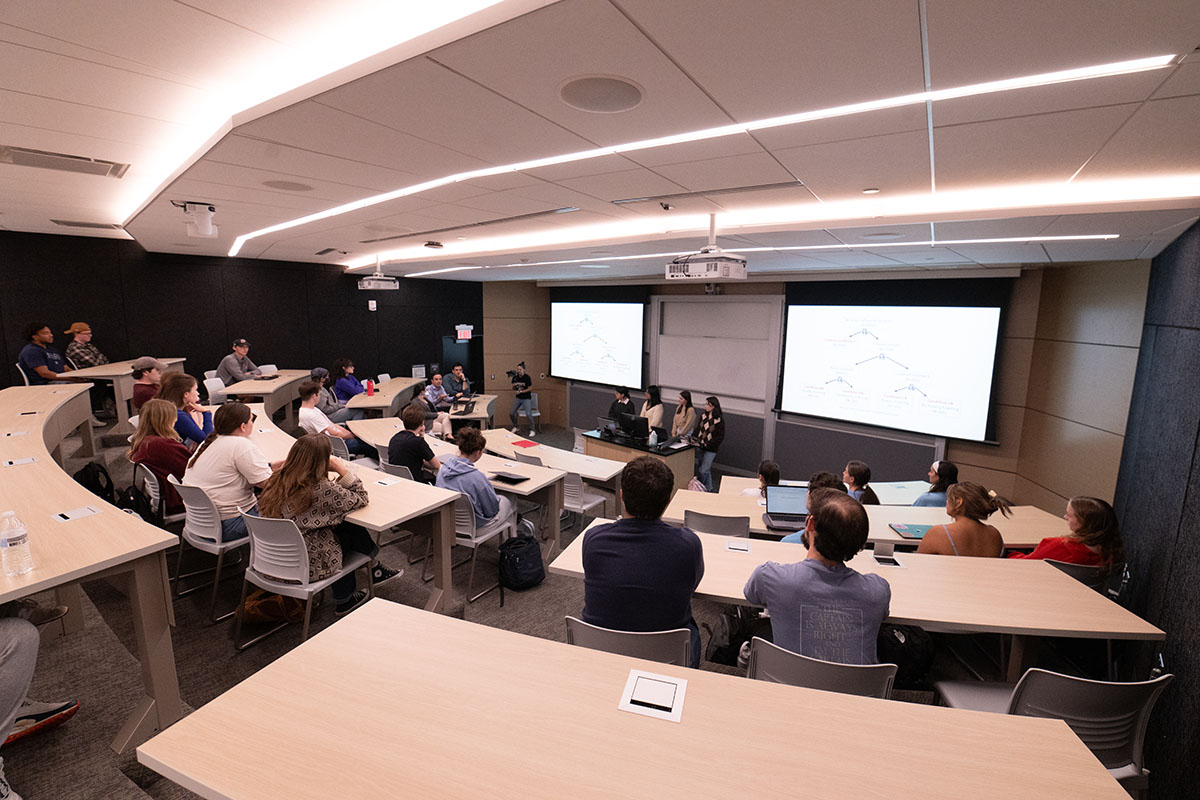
(709,436)
(684,420)
(652,409)
(942,475)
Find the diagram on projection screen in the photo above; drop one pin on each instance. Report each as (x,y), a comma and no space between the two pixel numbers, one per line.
(597,342)
(925,369)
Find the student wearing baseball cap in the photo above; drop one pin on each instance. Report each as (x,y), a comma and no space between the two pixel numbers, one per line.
(237,366)
(147,374)
(81,351)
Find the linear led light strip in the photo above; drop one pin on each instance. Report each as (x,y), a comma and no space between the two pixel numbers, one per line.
(1043,79)
(861,246)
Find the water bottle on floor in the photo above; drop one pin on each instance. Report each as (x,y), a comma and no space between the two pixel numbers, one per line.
(14,545)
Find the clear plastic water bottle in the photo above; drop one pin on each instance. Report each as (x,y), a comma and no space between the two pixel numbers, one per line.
(14,545)
(653,438)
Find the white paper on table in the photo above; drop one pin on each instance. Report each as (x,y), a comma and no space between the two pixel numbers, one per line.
(16,433)
(388,481)
(654,695)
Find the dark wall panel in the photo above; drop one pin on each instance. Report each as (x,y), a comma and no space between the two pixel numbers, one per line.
(801,450)
(1158,503)
(294,315)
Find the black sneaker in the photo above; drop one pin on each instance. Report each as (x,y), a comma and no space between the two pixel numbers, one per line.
(381,575)
(354,601)
(35,716)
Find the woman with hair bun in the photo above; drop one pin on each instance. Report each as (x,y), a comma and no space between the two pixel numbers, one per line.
(1095,538)
(970,504)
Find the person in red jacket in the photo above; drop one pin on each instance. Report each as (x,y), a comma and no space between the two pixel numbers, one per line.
(1095,539)
(156,444)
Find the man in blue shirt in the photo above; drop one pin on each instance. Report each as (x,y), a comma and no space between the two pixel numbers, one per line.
(457,384)
(639,573)
(41,362)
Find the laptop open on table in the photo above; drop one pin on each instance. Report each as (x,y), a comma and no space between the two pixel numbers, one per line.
(787,508)
(462,409)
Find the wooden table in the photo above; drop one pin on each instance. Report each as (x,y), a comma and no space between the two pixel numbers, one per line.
(389,396)
(110,543)
(485,406)
(894,493)
(421,703)
(940,593)
(276,392)
(602,472)
(1027,526)
(120,374)
(545,485)
(419,507)
(682,461)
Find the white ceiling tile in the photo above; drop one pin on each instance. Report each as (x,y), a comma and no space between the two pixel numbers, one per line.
(622,185)
(838,129)
(305,165)
(991,228)
(1183,81)
(577,169)
(1002,253)
(583,38)
(1161,138)
(874,234)
(921,255)
(735,145)
(1118,250)
(1126,223)
(789,238)
(896,164)
(1045,147)
(754,169)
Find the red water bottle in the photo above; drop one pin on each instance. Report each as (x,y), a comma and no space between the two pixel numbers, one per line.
(370,388)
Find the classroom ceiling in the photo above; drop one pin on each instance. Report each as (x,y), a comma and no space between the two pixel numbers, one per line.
(497,86)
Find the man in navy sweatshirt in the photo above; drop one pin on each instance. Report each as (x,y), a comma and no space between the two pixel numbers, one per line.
(639,573)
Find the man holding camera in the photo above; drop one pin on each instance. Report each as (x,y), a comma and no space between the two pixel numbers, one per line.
(521,384)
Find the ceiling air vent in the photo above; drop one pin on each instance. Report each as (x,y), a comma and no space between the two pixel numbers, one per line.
(63,162)
(104,226)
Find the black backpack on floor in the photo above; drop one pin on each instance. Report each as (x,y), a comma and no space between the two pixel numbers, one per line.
(520,564)
(95,478)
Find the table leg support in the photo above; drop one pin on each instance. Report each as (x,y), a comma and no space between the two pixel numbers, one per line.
(151,611)
(71,596)
(1016,658)
(553,503)
(439,525)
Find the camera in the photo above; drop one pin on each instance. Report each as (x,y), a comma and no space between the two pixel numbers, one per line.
(512,374)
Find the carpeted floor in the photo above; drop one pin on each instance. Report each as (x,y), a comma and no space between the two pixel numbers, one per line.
(97,665)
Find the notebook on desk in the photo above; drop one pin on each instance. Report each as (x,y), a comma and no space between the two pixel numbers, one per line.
(910,531)
(787,508)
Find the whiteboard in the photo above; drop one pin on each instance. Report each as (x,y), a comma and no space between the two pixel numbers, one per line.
(724,347)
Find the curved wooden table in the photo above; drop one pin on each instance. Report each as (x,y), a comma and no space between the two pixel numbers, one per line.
(109,543)
(276,392)
(388,397)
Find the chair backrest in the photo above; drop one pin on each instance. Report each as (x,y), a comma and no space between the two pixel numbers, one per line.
(338,446)
(268,369)
(381,450)
(464,518)
(770,662)
(399,470)
(1090,576)
(713,523)
(21,370)
(534,396)
(210,373)
(572,489)
(578,447)
(203,519)
(1110,718)
(70,362)
(277,549)
(134,420)
(524,459)
(147,482)
(384,376)
(215,388)
(666,647)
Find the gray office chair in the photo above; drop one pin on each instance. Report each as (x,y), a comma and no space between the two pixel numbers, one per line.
(70,362)
(713,523)
(770,662)
(216,390)
(399,470)
(339,449)
(210,373)
(383,376)
(147,482)
(21,370)
(1110,718)
(467,533)
(524,459)
(202,530)
(1090,576)
(665,647)
(577,499)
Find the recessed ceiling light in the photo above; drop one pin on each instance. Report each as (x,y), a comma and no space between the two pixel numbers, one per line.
(871,190)
(594,266)
(883,235)
(288,186)
(462,238)
(601,94)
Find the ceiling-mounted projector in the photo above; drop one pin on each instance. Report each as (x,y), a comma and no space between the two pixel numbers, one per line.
(378,282)
(711,264)
(200,220)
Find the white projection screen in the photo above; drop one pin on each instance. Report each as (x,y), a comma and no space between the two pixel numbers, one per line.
(597,342)
(915,368)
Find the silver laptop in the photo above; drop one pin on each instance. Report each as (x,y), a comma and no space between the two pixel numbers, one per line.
(787,508)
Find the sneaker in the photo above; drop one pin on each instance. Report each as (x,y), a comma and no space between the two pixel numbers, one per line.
(512,430)
(95,423)
(381,575)
(743,660)
(6,791)
(346,606)
(27,608)
(34,717)
(532,434)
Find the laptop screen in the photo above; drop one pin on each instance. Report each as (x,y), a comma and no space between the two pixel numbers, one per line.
(787,499)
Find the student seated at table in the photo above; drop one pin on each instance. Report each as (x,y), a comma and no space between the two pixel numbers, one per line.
(942,475)
(435,401)
(436,395)
(229,466)
(639,573)
(156,444)
(345,385)
(302,492)
(457,384)
(820,607)
(237,366)
(313,421)
(147,376)
(684,420)
(1095,538)
(652,409)
(768,475)
(970,504)
(81,351)
(408,447)
(621,403)
(328,404)
(856,475)
(818,480)
(459,473)
(40,362)
(193,423)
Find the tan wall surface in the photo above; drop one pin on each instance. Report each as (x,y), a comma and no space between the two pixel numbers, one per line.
(516,327)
